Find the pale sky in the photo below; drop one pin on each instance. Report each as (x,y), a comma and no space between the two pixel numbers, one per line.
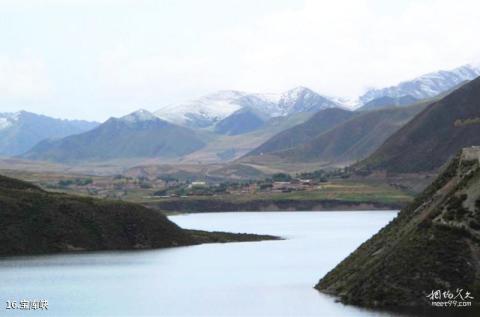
(93,59)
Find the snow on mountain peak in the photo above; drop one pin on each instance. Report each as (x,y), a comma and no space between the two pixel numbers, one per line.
(302,99)
(4,123)
(7,119)
(212,108)
(139,116)
(203,111)
(209,109)
(295,93)
(425,86)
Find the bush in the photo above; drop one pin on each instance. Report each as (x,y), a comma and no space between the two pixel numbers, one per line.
(281,177)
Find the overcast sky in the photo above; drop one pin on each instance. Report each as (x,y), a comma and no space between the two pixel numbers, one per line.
(96,59)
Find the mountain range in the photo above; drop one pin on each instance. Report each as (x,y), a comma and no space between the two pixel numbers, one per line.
(333,137)
(20,131)
(425,86)
(229,124)
(149,136)
(242,121)
(322,121)
(351,140)
(137,135)
(210,110)
(432,137)
(325,140)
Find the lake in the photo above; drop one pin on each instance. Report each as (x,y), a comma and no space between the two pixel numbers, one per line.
(268,278)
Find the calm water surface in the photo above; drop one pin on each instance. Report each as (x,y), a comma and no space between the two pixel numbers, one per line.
(269,278)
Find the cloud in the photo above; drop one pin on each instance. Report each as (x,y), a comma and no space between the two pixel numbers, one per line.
(24,78)
(120,71)
(111,57)
(337,47)
(161,78)
(342,47)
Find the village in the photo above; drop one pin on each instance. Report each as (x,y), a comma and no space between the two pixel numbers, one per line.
(119,187)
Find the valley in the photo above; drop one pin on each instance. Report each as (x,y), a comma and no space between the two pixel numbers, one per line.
(169,194)
(290,158)
(116,185)
(143,158)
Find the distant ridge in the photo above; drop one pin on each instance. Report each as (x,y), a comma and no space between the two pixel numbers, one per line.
(388,102)
(210,110)
(355,136)
(138,135)
(426,86)
(241,121)
(433,136)
(322,121)
(20,131)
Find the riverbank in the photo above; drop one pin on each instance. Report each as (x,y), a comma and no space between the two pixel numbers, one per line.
(433,244)
(270,278)
(35,221)
(195,205)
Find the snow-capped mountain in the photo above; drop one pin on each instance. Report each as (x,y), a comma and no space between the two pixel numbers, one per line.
(139,134)
(207,111)
(302,99)
(21,130)
(425,86)
(202,112)
(210,109)
(8,119)
(138,116)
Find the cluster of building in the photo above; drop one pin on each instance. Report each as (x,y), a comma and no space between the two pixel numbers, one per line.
(278,186)
(119,186)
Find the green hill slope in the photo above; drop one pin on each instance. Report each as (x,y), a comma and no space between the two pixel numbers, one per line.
(34,221)
(20,131)
(138,135)
(322,121)
(240,122)
(433,136)
(433,244)
(354,139)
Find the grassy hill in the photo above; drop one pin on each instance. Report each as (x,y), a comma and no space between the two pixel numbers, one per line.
(120,138)
(354,139)
(433,244)
(322,121)
(433,136)
(25,129)
(224,148)
(345,142)
(35,221)
(240,122)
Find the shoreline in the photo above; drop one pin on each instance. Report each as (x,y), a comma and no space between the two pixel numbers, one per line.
(200,237)
(180,213)
(171,207)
